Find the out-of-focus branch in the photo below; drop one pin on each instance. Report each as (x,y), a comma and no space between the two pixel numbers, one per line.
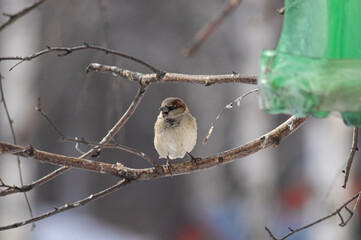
(351,156)
(207,80)
(14,17)
(66,207)
(342,223)
(15,142)
(210,27)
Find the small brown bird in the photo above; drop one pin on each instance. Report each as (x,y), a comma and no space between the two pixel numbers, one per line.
(175,131)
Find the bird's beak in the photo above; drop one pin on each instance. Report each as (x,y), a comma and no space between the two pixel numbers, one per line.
(163,109)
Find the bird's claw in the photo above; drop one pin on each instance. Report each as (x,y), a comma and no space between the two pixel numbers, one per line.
(194,160)
(169,165)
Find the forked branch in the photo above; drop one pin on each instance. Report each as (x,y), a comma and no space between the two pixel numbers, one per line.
(337,212)
(14,17)
(111,133)
(117,169)
(131,175)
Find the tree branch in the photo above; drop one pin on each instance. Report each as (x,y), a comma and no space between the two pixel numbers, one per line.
(112,132)
(143,79)
(229,105)
(337,212)
(113,146)
(207,80)
(131,175)
(93,144)
(64,51)
(210,27)
(117,169)
(14,17)
(15,142)
(351,156)
(66,207)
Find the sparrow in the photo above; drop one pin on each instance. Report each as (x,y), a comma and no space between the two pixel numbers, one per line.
(175,131)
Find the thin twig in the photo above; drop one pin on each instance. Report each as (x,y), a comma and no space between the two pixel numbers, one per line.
(14,17)
(336,212)
(111,133)
(210,27)
(270,233)
(66,207)
(206,80)
(63,51)
(15,142)
(92,144)
(116,146)
(351,156)
(34,184)
(352,212)
(230,105)
(40,110)
(2,184)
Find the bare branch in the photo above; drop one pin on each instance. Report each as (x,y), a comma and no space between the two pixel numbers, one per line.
(40,110)
(351,156)
(207,80)
(14,17)
(337,212)
(144,80)
(116,146)
(132,175)
(209,28)
(63,51)
(119,170)
(160,76)
(15,142)
(112,132)
(34,184)
(230,105)
(92,144)
(270,233)
(66,207)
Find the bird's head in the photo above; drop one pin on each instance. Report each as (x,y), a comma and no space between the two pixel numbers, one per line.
(173,107)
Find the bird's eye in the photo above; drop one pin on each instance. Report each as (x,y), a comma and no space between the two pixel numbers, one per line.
(171,108)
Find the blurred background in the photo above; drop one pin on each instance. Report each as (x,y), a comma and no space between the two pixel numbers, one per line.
(290,186)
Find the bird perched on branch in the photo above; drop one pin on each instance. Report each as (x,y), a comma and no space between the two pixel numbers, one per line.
(175,131)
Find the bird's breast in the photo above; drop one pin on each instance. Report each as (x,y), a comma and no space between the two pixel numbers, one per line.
(176,139)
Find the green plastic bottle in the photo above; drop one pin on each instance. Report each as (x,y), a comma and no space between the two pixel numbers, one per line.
(316,66)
